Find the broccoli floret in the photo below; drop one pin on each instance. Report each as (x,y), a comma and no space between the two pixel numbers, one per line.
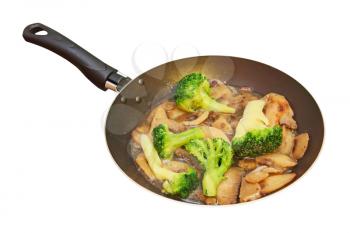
(253,135)
(193,93)
(215,155)
(180,184)
(257,142)
(167,142)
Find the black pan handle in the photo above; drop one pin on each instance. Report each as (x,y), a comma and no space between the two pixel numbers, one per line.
(99,73)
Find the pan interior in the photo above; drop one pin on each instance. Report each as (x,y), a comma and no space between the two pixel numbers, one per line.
(136,100)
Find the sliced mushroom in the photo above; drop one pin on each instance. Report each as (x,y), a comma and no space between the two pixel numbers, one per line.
(301,142)
(151,115)
(247,164)
(222,123)
(197,195)
(275,182)
(276,160)
(202,117)
(141,161)
(228,189)
(247,97)
(273,170)
(287,144)
(257,175)
(240,101)
(183,155)
(235,100)
(160,117)
(142,129)
(278,111)
(211,132)
(175,113)
(168,105)
(210,200)
(135,135)
(223,93)
(176,166)
(249,191)
(221,90)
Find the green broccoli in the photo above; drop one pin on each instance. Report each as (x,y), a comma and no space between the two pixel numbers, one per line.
(257,142)
(193,93)
(167,142)
(180,184)
(253,136)
(215,155)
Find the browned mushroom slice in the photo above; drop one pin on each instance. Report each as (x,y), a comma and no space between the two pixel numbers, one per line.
(168,105)
(273,170)
(261,173)
(301,143)
(249,191)
(197,195)
(160,117)
(257,175)
(210,200)
(247,164)
(247,97)
(175,113)
(275,182)
(135,135)
(151,115)
(211,132)
(287,144)
(186,157)
(141,161)
(220,90)
(276,160)
(182,153)
(222,123)
(176,166)
(237,99)
(202,117)
(278,111)
(228,189)
(142,129)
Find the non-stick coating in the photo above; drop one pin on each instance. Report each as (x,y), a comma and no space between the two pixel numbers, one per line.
(155,84)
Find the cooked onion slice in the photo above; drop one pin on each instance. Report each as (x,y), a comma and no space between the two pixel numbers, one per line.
(202,117)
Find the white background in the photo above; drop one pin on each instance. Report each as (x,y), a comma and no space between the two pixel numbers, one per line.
(56,174)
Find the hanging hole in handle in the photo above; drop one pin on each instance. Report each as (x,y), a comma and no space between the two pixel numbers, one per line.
(38,31)
(41,33)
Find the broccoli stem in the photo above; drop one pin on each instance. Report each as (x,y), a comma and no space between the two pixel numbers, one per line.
(214,174)
(211,179)
(180,139)
(154,161)
(210,182)
(212,105)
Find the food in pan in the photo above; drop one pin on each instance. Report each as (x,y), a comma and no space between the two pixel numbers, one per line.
(175,183)
(193,93)
(213,143)
(167,142)
(215,156)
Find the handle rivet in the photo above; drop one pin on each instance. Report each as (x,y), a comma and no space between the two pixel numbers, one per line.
(123,99)
(138,99)
(140,81)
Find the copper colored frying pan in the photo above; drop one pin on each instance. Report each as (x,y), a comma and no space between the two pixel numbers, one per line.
(136,97)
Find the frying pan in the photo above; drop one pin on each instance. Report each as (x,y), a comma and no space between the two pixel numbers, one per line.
(136,97)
